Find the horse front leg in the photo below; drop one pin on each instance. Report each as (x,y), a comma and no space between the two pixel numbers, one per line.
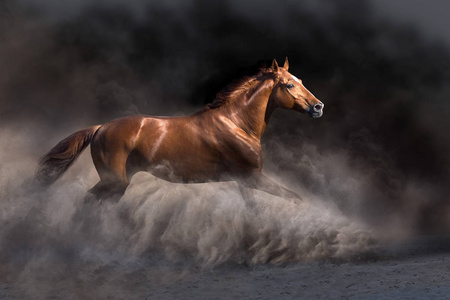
(259,181)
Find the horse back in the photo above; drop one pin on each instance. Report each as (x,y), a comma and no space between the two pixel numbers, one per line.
(119,134)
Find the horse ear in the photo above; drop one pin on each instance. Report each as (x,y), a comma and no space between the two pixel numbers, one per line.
(274,65)
(286,64)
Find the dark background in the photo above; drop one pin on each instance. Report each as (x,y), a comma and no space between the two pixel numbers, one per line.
(380,152)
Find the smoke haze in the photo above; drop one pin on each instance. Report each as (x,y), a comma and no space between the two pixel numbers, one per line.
(374,167)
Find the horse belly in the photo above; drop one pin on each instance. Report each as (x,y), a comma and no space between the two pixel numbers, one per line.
(186,170)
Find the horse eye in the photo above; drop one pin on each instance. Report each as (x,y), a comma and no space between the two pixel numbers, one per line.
(290,85)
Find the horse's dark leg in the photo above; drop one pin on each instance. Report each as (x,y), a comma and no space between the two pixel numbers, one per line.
(261,182)
(113,177)
(105,191)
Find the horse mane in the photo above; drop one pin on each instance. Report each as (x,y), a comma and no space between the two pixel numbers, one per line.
(235,89)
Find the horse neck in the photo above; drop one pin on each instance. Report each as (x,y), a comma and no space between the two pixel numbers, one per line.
(248,111)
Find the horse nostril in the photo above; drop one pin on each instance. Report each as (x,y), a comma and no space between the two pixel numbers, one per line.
(318,107)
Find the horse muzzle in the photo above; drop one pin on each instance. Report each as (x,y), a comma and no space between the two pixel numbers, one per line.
(316,111)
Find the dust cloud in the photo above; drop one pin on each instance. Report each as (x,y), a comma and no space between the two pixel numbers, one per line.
(209,223)
(156,227)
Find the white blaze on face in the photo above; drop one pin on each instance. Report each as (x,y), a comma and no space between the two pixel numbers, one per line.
(301,83)
(296,79)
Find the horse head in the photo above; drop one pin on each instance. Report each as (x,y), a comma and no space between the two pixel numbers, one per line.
(289,92)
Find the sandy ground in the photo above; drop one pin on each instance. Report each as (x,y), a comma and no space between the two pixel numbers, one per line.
(164,241)
(418,269)
(63,263)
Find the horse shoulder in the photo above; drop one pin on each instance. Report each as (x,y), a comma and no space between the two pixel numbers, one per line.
(237,145)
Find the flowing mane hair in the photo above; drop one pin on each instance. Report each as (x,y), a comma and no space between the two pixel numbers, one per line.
(236,88)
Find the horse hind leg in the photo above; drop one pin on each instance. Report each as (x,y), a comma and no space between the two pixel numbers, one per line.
(113,180)
(103,191)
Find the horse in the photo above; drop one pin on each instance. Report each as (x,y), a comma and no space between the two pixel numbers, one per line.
(221,142)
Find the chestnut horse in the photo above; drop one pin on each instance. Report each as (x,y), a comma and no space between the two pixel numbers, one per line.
(219,143)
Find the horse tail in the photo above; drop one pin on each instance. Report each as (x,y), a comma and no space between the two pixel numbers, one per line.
(53,164)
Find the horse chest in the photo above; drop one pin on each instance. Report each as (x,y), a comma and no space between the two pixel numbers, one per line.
(240,151)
